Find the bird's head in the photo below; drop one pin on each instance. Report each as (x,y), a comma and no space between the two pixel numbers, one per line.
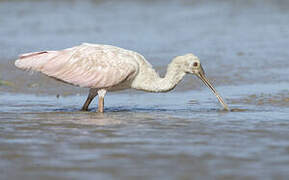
(191,64)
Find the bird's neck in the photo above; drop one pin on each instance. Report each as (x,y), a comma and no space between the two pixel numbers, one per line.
(149,80)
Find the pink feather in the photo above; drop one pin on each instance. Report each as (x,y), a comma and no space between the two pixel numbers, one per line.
(93,66)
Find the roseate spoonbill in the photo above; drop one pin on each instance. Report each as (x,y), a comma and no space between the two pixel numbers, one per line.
(105,68)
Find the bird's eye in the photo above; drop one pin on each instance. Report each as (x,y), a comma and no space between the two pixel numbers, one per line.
(195,64)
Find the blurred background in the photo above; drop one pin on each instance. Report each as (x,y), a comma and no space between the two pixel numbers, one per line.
(184,134)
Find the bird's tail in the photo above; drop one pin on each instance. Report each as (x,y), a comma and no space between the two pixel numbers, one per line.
(34,60)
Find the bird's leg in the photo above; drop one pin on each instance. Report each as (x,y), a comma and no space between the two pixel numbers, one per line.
(101,94)
(90,97)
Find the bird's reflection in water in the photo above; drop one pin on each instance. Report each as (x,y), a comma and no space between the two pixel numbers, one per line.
(114,116)
(76,117)
(99,119)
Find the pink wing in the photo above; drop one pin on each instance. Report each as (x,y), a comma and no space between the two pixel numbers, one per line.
(93,66)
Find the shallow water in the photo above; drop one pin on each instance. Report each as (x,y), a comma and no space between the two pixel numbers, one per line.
(183,134)
(175,135)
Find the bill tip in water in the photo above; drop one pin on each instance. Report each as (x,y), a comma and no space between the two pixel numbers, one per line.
(226,108)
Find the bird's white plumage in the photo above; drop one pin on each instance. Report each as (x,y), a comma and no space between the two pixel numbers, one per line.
(87,65)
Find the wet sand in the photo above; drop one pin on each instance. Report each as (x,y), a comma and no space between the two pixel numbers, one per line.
(182,134)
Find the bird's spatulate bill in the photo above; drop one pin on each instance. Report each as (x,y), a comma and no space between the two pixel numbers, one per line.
(202,76)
